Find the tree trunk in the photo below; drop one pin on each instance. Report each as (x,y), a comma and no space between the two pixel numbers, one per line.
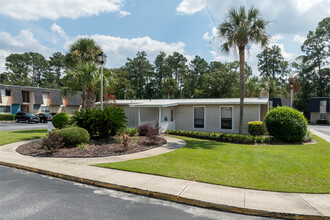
(90,99)
(241,50)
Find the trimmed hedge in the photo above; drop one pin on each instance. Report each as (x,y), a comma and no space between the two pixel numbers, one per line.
(322,122)
(73,136)
(7,117)
(286,124)
(222,137)
(60,120)
(256,128)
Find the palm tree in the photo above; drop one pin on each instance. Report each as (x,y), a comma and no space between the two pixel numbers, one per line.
(88,76)
(82,57)
(242,28)
(83,50)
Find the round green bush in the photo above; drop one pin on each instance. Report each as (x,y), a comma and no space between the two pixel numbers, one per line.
(286,124)
(73,136)
(60,120)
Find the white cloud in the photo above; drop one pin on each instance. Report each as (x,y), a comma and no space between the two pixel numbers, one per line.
(55,9)
(191,6)
(286,16)
(214,33)
(298,38)
(58,29)
(118,49)
(277,37)
(23,42)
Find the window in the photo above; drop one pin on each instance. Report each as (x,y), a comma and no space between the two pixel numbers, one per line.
(199,117)
(226,118)
(5,109)
(323,116)
(5,92)
(44,108)
(323,103)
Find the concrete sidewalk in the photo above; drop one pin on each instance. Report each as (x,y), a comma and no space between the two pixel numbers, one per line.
(255,202)
(320,134)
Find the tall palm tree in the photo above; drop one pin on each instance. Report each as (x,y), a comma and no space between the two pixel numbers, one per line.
(81,57)
(88,76)
(242,28)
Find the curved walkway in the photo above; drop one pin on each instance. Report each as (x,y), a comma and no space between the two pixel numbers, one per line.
(255,202)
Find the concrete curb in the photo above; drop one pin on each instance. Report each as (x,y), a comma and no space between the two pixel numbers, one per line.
(167,197)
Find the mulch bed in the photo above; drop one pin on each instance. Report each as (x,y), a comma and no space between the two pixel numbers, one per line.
(96,148)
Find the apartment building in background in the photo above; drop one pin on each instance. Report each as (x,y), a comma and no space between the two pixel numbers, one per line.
(35,100)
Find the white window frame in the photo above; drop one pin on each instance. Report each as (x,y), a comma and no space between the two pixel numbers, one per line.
(232,117)
(42,108)
(193,121)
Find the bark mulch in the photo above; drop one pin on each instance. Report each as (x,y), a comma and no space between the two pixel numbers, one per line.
(96,148)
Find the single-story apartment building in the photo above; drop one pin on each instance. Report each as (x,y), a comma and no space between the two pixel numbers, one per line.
(35,100)
(319,108)
(213,115)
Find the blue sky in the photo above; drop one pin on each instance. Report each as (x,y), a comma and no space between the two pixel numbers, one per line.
(122,28)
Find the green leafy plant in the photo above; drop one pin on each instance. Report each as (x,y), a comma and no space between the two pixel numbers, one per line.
(131,132)
(101,123)
(256,128)
(73,136)
(286,124)
(7,117)
(60,120)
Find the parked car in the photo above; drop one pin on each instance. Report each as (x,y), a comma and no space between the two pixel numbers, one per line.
(27,117)
(52,114)
(45,117)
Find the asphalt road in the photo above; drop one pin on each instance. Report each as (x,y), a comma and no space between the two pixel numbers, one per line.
(325,129)
(12,126)
(26,195)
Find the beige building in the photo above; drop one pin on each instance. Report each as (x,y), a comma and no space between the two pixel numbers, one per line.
(15,99)
(213,115)
(319,108)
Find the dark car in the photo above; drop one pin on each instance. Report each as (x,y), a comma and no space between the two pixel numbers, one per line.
(44,117)
(52,114)
(27,117)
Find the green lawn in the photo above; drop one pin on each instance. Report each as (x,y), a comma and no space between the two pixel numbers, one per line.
(7,137)
(285,168)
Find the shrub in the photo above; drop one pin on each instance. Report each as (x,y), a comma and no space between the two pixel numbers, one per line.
(308,137)
(60,120)
(286,124)
(7,117)
(153,133)
(52,141)
(131,132)
(322,121)
(73,136)
(255,128)
(144,129)
(221,137)
(101,123)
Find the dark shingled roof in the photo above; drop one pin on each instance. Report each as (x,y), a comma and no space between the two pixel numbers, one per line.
(74,98)
(56,97)
(314,104)
(38,97)
(280,102)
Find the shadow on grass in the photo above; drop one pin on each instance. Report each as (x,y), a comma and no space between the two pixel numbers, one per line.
(30,131)
(201,144)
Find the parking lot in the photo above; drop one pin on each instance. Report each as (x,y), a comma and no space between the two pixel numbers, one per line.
(12,126)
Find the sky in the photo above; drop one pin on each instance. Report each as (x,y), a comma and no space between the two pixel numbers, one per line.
(124,27)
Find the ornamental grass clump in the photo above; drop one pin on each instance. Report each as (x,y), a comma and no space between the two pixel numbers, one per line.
(286,124)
